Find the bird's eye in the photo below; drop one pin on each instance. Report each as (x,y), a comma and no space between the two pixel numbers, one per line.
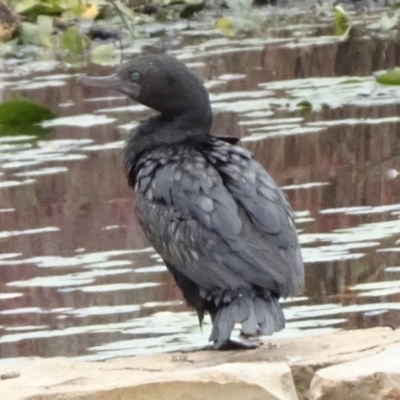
(135,76)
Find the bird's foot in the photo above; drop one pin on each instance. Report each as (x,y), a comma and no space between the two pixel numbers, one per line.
(237,345)
(229,345)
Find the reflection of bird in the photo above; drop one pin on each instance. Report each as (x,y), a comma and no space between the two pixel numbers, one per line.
(219,221)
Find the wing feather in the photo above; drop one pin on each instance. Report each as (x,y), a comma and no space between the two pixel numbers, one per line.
(221,224)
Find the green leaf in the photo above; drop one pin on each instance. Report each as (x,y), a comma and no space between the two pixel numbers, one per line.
(35,8)
(45,24)
(103,54)
(391,77)
(342,21)
(350,81)
(226,25)
(88,9)
(22,6)
(38,34)
(122,8)
(388,23)
(23,112)
(305,106)
(23,130)
(29,33)
(8,47)
(73,41)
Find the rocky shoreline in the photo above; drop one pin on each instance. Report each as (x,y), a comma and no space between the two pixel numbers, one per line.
(346,365)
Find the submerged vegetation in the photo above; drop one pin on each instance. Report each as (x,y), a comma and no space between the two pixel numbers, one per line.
(98,31)
(93,29)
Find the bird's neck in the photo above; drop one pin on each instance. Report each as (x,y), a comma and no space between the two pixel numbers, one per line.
(164,131)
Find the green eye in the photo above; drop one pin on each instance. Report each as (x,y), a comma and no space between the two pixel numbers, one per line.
(135,76)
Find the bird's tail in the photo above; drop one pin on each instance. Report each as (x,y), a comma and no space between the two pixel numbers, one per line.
(256,314)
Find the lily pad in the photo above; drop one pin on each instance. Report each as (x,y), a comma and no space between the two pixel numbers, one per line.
(73,41)
(103,54)
(87,9)
(391,77)
(8,48)
(23,112)
(30,131)
(305,106)
(34,8)
(40,33)
(226,25)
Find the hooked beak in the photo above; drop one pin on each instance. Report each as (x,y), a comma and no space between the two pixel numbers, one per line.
(111,82)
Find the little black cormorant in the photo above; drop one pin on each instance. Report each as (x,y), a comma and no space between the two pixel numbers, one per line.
(219,221)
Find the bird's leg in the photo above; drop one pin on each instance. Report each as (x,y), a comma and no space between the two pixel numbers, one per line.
(231,344)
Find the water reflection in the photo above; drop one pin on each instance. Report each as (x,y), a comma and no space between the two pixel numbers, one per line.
(77,277)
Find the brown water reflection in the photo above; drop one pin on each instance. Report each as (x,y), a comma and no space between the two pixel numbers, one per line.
(77,277)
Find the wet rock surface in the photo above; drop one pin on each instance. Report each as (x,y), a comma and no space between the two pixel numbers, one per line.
(361,364)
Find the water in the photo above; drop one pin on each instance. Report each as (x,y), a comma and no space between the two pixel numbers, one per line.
(77,276)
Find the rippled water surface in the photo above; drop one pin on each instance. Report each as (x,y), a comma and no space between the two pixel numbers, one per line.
(77,276)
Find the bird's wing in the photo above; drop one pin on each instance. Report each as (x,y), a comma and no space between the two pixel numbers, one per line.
(260,198)
(257,193)
(196,211)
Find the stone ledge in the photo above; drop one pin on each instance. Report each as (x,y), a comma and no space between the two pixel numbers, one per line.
(375,377)
(369,362)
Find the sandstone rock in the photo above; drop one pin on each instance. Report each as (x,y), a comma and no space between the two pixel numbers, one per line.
(273,372)
(375,377)
(64,379)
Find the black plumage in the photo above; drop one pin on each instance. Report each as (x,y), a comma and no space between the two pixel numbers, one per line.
(216,217)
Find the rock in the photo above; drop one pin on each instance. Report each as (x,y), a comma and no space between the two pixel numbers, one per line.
(371,378)
(68,380)
(9,375)
(307,355)
(344,365)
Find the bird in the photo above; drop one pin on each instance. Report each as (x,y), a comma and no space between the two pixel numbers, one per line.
(221,224)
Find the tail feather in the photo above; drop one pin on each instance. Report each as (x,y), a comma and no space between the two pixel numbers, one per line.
(269,315)
(279,316)
(222,327)
(256,314)
(249,325)
(239,308)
